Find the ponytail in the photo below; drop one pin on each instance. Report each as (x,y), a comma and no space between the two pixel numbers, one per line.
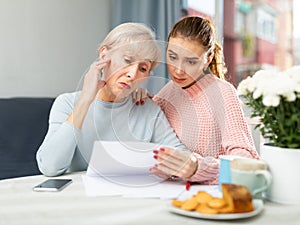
(217,65)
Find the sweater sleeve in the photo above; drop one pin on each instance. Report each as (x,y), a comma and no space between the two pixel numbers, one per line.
(236,136)
(56,152)
(207,171)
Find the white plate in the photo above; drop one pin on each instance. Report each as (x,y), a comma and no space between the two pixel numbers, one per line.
(257,203)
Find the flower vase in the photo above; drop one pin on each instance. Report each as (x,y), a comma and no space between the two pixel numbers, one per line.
(284,165)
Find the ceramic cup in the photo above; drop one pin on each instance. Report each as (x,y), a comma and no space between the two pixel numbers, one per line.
(251,173)
(224,170)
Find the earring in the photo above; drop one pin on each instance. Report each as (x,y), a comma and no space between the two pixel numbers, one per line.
(206,70)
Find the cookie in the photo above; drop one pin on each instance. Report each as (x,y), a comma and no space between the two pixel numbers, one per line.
(205,209)
(177,203)
(203,197)
(190,204)
(216,203)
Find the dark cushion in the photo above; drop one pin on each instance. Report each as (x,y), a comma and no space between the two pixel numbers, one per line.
(23,126)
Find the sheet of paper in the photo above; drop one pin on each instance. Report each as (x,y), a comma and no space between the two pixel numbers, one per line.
(122,169)
(132,187)
(121,158)
(123,187)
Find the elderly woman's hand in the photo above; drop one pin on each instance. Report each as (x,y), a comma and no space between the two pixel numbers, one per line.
(172,162)
(92,84)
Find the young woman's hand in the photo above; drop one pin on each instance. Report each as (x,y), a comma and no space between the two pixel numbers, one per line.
(140,95)
(92,84)
(176,163)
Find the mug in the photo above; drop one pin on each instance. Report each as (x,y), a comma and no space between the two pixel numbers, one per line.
(224,169)
(251,173)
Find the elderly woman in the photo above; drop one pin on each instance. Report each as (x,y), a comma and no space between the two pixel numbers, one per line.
(103,109)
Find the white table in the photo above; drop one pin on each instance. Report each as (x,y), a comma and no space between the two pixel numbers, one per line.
(20,205)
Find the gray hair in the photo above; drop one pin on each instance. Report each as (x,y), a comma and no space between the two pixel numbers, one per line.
(140,36)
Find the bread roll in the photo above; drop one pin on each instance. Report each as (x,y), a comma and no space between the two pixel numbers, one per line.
(237,197)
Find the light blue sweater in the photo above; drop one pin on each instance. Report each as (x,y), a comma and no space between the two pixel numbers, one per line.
(66,148)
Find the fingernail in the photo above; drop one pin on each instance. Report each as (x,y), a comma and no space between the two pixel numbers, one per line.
(142,102)
(155,151)
(155,157)
(162,149)
(137,103)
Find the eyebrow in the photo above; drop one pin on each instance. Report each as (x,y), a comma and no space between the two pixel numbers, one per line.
(189,58)
(137,59)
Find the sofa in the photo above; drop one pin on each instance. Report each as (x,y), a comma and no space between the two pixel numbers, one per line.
(23,126)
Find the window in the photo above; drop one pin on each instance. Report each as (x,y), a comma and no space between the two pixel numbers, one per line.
(239,27)
(266,26)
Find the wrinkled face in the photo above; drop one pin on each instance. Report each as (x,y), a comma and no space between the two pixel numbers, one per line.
(186,60)
(126,71)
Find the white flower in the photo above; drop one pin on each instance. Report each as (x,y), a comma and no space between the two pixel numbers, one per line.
(262,75)
(271,100)
(290,97)
(257,93)
(271,85)
(246,86)
(267,89)
(294,74)
(285,85)
(297,87)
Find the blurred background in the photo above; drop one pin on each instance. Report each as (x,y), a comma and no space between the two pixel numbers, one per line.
(47,46)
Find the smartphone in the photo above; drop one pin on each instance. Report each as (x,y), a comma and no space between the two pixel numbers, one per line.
(52,185)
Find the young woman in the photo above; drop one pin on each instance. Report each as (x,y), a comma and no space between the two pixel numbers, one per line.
(103,110)
(200,105)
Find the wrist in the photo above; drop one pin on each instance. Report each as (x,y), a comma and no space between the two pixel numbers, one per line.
(85,100)
(79,112)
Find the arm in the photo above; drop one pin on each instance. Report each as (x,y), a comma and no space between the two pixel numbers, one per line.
(56,152)
(55,155)
(90,89)
(237,138)
(173,157)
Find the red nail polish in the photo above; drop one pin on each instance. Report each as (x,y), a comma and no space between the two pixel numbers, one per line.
(142,102)
(155,157)
(162,149)
(155,151)
(137,103)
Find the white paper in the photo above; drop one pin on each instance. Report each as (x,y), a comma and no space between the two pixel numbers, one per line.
(111,186)
(122,169)
(121,158)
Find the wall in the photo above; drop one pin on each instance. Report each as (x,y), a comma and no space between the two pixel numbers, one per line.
(46,46)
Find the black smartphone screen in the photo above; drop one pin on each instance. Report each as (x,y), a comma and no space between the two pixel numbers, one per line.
(52,185)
